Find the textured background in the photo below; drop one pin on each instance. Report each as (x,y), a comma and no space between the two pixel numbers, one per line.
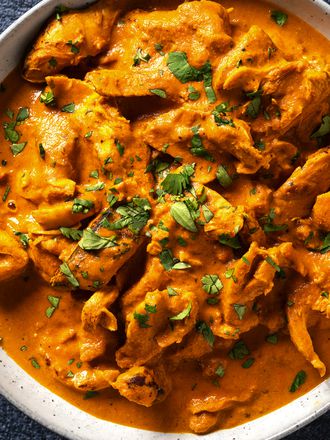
(14,425)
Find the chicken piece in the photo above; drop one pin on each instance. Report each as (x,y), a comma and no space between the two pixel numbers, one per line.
(93,379)
(92,344)
(199,28)
(189,133)
(69,40)
(206,412)
(91,265)
(321,212)
(95,311)
(249,62)
(64,214)
(281,157)
(143,385)
(60,342)
(30,186)
(193,346)
(155,277)
(13,258)
(299,316)
(314,266)
(50,175)
(254,196)
(105,138)
(250,277)
(292,95)
(45,250)
(227,220)
(297,195)
(97,321)
(117,83)
(157,322)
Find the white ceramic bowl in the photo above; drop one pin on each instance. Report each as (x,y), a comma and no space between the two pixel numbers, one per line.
(60,416)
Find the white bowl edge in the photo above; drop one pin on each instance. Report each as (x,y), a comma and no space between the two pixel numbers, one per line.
(62,417)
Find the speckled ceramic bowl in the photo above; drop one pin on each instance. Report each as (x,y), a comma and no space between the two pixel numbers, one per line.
(60,416)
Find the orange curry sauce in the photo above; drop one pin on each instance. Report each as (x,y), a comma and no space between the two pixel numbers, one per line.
(23,301)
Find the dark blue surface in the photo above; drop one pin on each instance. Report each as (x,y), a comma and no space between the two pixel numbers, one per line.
(14,425)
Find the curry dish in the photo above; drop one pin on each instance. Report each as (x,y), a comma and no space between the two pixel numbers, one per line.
(165,211)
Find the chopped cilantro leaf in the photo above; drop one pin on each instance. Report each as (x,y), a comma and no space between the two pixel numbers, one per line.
(91,241)
(279,17)
(212,284)
(206,332)
(299,380)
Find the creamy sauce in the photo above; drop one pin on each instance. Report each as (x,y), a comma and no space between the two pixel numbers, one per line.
(23,302)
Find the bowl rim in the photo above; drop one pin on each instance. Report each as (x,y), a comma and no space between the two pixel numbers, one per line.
(48,409)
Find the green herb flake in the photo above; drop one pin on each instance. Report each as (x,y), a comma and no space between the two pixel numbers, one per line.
(82,206)
(178,64)
(223,177)
(90,394)
(68,108)
(150,308)
(24,238)
(97,187)
(245,260)
(325,246)
(230,273)
(158,92)
(47,98)
(142,319)
(272,339)
(324,128)
(206,332)
(140,56)
(71,233)
(325,294)
(272,263)
(298,381)
(220,371)
(66,271)
(6,193)
(159,48)
(52,62)
(232,242)
(254,105)
(194,94)
(181,241)
(91,241)
(166,258)
(240,310)
(23,348)
(212,284)
(42,151)
(22,114)
(17,148)
(182,215)
(181,265)
(248,363)
(134,215)
(59,11)
(279,17)
(171,291)
(182,315)
(120,147)
(35,363)
(239,351)
(73,47)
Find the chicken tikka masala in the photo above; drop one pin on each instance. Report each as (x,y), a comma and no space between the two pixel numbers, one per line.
(165,214)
